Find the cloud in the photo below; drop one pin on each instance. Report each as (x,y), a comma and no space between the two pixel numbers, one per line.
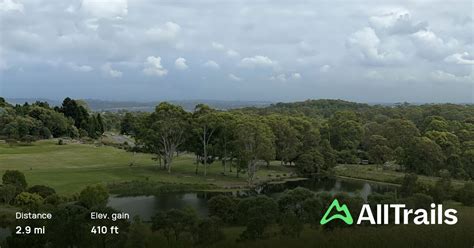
(11,5)
(280,77)
(430,46)
(165,33)
(81,68)
(211,64)
(366,46)
(257,61)
(217,46)
(396,22)
(105,9)
(234,77)
(108,71)
(460,59)
(232,53)
(446,77)
(153,67)
(324,68)
(180,64)
(296,75)
(283,77)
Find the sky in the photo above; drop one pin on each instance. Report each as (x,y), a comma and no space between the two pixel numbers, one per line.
(364,51)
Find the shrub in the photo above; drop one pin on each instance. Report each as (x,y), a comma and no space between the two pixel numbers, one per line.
(42,190)
(224,207)
(466,194)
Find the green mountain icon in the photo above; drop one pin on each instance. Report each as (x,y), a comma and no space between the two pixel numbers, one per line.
(347,217)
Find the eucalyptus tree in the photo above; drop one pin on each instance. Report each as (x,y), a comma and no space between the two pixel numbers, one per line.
(205,123)
(164,131)
(287,144)
(225,147)
(254,142)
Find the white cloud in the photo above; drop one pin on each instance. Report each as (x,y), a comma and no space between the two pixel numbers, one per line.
(446,77)
(324,68)
(257,61)
(232,53)
(217,46)
(460,59)
(70,9)
(396,22)
(180,64)
(296,75)
(107,70)
(430,46)
(279,77)
(11,5)
(234,77)
(153,67)
(366,46)
(165,33)
(105,9)
(283,77)
(211,64)
(80,68)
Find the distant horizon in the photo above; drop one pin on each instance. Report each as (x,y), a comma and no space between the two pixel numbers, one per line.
(280,51)
(28,99)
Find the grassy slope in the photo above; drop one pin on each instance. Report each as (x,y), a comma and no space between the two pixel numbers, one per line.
(376,173)
(69,168)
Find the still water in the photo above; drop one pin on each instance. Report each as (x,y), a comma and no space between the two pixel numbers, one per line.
(147,206)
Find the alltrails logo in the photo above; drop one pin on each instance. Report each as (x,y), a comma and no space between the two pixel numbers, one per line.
(402,215)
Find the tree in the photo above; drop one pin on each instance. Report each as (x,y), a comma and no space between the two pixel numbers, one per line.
(225,147)
(206,122)
(138,235)
(164,131)
(29,201)
(400,133)
(287,144)
(466,194)
(310,162)
(175,222)
(257,213)
(15,178)
(448,142)
(442,188)
(424,156)
(128,124)
(7,193)
(254,142)
(70,108)
(224,207)
(345,130)
(94,196)
(290,224)
(209,231)
(42,190)
(69,227)
(409,185)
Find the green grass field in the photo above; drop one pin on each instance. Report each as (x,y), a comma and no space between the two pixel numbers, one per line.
(69,168)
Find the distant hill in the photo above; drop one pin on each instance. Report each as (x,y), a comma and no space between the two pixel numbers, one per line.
(114,106)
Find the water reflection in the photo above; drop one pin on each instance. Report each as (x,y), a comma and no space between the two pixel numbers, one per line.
(147,206)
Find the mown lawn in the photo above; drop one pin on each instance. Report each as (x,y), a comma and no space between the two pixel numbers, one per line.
(69,168)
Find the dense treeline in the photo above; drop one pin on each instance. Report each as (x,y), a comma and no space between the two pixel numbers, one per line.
(29,122)
(313,136)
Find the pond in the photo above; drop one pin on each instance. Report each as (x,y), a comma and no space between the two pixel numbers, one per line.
(147,206)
